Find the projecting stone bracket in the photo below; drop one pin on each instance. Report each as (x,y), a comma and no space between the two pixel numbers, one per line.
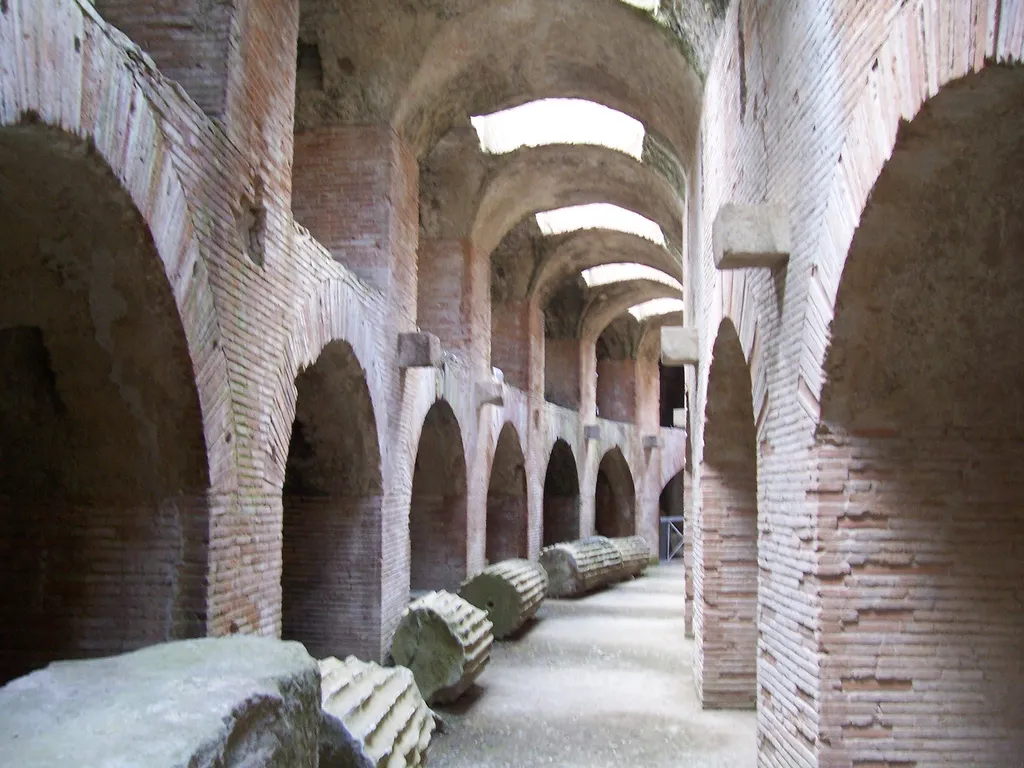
(419,350)
(747,236)
(678,346)
(490,392)
(652,442)
(592,432)
(679,418)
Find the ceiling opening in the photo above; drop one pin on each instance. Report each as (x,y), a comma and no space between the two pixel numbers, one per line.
(618,273)
(599,216)
(655,307)
(559,121)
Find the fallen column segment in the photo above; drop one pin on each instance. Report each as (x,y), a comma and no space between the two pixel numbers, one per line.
(636,555)
(446,642)
(372,716)
(510,591)
(203,703)
(575,568)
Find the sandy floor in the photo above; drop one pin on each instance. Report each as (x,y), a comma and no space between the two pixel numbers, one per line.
(599,682)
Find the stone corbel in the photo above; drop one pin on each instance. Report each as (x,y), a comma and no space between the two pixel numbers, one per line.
(746,236)
(678,346)
(419,350)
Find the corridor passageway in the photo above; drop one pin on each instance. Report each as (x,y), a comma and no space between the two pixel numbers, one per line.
(601,682)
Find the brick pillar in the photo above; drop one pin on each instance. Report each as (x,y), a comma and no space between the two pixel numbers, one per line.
(517,345)
(454,301)
(356,188)
(688,555)
(588,380)
(562,372)
(647,384)
(725,587)
(616,390)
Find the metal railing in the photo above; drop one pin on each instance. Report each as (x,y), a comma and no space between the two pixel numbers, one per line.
(671,538)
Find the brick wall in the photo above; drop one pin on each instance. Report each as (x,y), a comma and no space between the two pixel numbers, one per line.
(356,189)
(562,372)
(616,389)
(921,607)
(455,299)
(330,579)
(510,342)
(188,39)
(85,580)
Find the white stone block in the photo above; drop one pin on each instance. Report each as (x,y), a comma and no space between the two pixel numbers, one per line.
(746,236)
(419,350)
(678,346)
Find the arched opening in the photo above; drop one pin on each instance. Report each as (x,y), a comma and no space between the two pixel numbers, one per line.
(919,446)
(507,511)
(614,497)
(437,515)
(331,570)
(561,496)
(725,535)
(103,466)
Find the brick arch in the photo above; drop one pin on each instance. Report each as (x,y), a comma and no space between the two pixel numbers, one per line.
(927,47)
(337,310)
(57,105)
(592,247)
(104,459)
(724,514)
(56,82)
(615,502)
(473,65)
(437,511)
(332,509)
(543,178)
(507,506)
(561,495)
(917,448)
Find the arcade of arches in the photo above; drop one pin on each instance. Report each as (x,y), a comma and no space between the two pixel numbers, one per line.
(282,339)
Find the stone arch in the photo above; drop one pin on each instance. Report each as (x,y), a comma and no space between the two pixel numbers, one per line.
(437,512)
(475,65)
(614,496)
(561,496)
(507,510)
(331,567)
(725,568)
(918,444)
(104,468)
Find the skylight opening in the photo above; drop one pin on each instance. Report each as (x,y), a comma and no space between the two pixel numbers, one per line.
(599,216)
(655,307)
(559,121)
(648,5)
(620,273)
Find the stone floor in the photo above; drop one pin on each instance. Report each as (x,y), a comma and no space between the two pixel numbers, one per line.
(594,683)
